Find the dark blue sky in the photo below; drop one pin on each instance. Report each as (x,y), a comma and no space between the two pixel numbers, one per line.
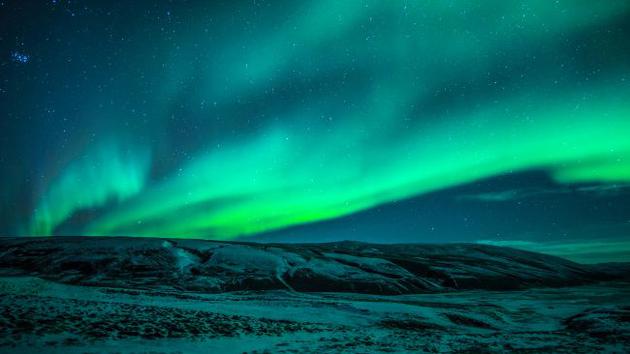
(306,121)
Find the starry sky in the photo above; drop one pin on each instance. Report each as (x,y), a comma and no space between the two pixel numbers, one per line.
(499,122)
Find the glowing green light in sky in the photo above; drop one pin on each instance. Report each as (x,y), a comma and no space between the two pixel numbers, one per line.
(107,172)
(285,179)
(444,93)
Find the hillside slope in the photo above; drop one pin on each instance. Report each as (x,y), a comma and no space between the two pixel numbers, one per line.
(214,267)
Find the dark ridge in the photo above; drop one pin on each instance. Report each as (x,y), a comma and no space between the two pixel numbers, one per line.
(214,267)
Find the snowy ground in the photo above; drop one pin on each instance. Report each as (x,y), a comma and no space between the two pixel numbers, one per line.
(40,315)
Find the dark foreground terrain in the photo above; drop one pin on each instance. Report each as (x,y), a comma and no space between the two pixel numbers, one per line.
(167,296)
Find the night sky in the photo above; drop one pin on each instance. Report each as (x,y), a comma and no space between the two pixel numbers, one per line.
(501,122)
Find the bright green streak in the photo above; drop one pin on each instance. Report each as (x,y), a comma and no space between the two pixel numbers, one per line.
(107,172)
(295,172)
(275,182)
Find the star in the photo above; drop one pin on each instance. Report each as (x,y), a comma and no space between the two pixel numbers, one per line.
(20,57)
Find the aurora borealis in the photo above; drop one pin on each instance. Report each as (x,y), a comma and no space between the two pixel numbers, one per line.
(243,118)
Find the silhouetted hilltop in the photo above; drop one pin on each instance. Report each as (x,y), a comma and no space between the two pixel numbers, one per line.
(213,267)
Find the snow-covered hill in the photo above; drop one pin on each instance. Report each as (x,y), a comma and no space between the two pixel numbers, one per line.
(214,267)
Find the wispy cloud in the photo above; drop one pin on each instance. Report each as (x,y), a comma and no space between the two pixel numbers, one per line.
(606,189)
(581,251)
(601,190)
(511,194)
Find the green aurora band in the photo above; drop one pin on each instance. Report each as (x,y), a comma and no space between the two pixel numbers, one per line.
(370,146)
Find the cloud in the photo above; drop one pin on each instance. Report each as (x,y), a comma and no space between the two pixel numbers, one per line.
(512,194)
(606,189)
(599,190)
(581,251)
